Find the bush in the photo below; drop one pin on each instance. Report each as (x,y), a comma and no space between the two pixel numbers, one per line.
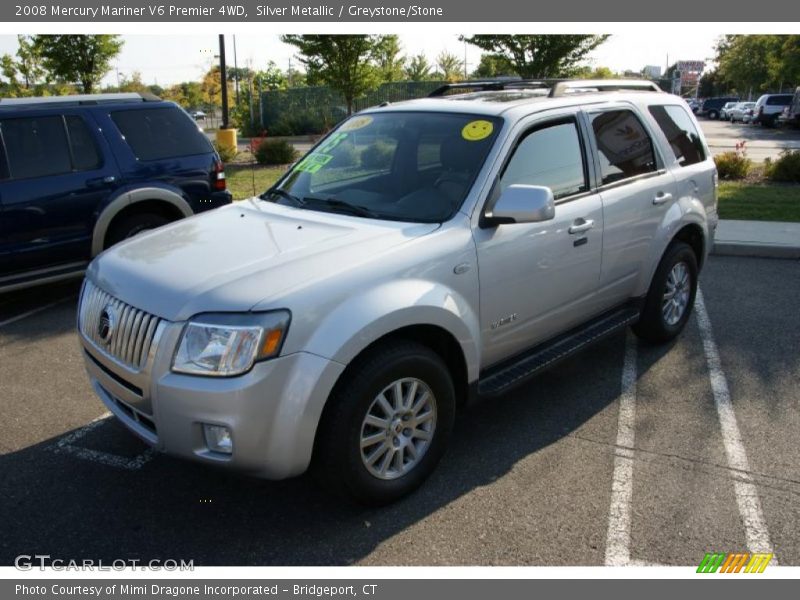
(378,155)
(275,152)
(226,153)
(733,165)
(785,168)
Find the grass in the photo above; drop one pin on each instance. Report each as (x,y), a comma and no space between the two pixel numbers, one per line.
(759,202)
(245,181)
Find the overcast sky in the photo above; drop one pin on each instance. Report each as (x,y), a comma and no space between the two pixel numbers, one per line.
(170,59)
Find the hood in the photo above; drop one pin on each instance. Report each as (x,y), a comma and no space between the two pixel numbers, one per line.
(251,252)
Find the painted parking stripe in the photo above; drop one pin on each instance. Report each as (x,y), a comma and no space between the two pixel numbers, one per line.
(32,312)
(755,526)
(66,445)
(618,538)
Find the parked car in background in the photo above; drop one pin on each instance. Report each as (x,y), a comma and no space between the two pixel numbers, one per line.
(723,113)
(741,112)
(341,319)
(769,107)
(197,115)
(791,113)
(694,104)
(81,173)
(712,107)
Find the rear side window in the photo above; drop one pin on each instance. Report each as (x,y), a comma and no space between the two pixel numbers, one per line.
(779,100)
(550,156)
(84,151)
(681,133)
(624,146)
(158,133)
(36,147)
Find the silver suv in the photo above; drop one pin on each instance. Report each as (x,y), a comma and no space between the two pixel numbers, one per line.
(423,254)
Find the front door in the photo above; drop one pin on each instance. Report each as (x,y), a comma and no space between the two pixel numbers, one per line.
(538,279)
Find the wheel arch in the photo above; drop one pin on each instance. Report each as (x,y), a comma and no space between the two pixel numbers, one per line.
(163,201)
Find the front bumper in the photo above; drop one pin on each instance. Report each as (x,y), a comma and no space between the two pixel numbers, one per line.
(272,411)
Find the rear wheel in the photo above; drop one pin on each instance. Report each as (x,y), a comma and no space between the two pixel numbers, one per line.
(671,295)
(713,115)
(134,225)
(387,425)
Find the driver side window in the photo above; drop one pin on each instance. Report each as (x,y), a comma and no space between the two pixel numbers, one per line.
(550,156)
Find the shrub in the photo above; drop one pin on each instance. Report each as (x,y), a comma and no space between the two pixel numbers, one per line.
(275,152)
(785,168)
(226,153)
(733,165)
(378,155)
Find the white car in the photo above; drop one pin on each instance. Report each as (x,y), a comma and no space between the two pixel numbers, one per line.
(724,114)
(741,112)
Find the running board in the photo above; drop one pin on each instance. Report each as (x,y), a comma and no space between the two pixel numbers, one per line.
(508,375)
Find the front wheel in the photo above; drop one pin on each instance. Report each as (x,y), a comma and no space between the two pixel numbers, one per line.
(387,425)
(671,295)
(713,115)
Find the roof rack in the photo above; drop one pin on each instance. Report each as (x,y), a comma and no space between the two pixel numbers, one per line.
(79,99)
(491,85)
(602,85)
(557,87)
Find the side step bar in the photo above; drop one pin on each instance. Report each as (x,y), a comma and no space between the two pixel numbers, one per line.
(500,379)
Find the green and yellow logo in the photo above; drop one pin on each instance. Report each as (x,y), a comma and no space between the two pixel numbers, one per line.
(734,562)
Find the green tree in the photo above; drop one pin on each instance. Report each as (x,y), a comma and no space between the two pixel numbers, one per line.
(418,68)
(754,63)
(492,66)
(29,62)
(388,59)
(449,67)
(534,56)
(133,83)
(83,59)
(346,63)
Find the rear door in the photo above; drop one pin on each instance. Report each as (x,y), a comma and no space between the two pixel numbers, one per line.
(56,179)
(539,279)
(636,189)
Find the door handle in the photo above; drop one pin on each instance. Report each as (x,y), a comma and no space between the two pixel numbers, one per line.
(98,181)
(662,197)
(581,226)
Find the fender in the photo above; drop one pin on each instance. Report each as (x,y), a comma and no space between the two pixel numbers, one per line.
(363,319)
(686,210)
(128,197)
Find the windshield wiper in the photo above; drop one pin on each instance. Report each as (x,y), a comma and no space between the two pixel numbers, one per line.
(286,195)
(361,211)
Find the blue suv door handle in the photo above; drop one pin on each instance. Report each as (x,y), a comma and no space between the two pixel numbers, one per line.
(99,181)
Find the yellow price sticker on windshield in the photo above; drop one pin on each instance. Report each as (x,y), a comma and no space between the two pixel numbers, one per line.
(475,131)
(356,123)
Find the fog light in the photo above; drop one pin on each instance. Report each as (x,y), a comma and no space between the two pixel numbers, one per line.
(218,438)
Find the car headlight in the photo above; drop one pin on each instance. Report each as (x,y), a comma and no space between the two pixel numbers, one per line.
(223,345)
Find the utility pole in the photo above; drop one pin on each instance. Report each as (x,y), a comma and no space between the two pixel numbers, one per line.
(235,71)
(223,78)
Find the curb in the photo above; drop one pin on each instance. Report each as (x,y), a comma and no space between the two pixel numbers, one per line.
(757,250)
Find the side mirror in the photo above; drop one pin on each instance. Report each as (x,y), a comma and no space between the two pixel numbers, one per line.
(523,204)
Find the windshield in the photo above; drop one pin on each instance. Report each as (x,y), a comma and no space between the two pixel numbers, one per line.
(392,165)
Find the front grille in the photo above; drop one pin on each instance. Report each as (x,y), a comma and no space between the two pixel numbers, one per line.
(132,330)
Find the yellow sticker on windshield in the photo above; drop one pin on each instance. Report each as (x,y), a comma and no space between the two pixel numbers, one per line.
(475,131)
(356,123)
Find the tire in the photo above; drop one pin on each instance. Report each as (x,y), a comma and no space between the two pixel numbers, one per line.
(658,322)
(134,225)
(713,115)
(341,465)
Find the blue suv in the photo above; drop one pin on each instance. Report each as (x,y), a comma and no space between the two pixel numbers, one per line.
(80,173)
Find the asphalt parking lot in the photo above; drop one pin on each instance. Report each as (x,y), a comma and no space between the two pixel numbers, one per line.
(625,454)
(761,142)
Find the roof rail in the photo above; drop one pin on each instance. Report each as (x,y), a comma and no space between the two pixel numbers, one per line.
(79,99)
(490,85)
(602,85)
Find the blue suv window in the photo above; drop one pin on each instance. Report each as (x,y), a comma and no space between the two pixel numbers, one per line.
(36,147)
(158,133)
(84,151)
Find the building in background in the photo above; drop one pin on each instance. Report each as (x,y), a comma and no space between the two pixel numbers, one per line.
(652,72)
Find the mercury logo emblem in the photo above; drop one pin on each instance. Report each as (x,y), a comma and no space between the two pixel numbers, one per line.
(105,328)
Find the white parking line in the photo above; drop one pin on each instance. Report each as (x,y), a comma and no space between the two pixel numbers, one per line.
(619,517)
(66,446)
(755,526)
(32,312)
